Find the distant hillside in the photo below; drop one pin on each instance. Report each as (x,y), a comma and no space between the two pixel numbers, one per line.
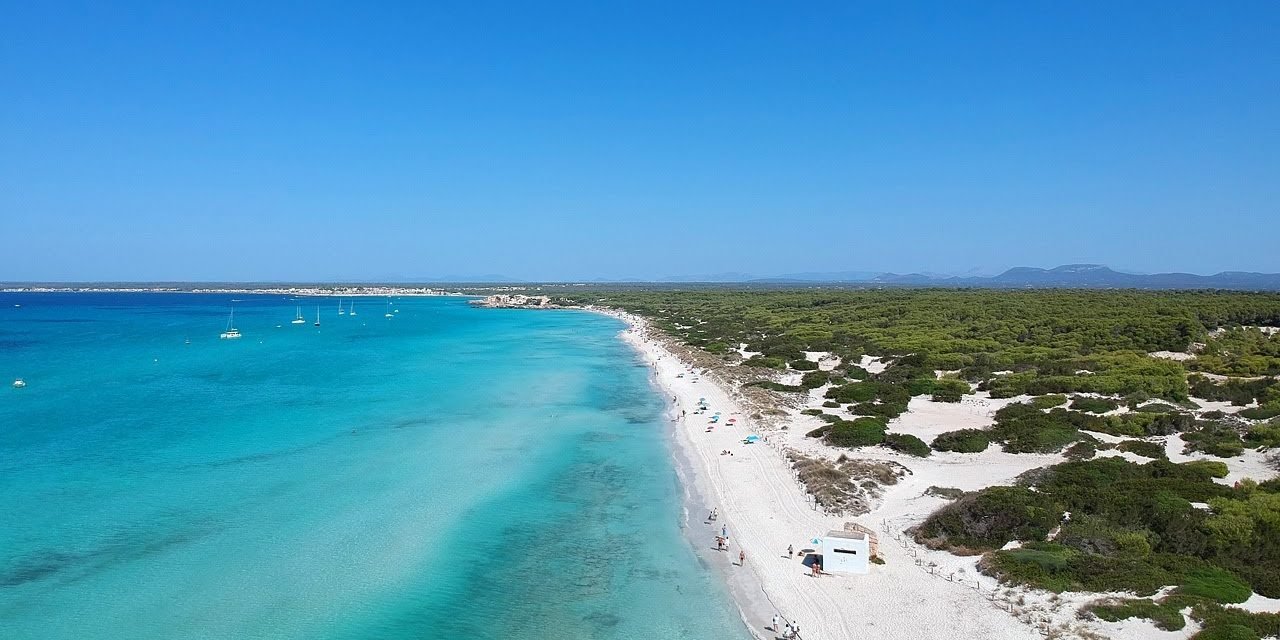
(1084,276)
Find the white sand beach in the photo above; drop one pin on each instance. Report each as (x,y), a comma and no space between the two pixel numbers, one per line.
(917,592)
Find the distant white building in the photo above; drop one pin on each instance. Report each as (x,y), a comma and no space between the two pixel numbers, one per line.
(846,552)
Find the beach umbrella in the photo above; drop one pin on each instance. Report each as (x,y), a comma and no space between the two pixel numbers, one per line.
(752,438)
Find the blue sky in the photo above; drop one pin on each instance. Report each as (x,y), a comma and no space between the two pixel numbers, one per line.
(582,140)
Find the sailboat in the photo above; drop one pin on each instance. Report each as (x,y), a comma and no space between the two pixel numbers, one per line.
(352,312)
(317,315)
(388,314)
(232,332)
(299,319)
(340,311)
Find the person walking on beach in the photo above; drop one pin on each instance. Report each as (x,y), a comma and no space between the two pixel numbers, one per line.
(724,530)
(791,552)
(742,558)
(774,628)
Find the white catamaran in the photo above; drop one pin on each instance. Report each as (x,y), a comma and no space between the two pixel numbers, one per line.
(299,319)
(340,311)
(232,332)
(317,315)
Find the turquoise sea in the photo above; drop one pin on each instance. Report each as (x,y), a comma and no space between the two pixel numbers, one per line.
(445,473)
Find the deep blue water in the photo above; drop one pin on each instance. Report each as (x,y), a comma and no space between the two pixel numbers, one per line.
(449,472)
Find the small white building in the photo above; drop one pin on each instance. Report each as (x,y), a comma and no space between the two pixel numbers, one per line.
(846,552)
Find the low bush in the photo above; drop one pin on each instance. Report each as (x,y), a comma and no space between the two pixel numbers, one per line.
(862,432)
(1165,616)
(990,519)
(1082,450)
(804,364)
(765,362)
(1213,583)
(1143,448)
(1048,402)
(831,404)
(1214,438)
(814,379)
(962,441)
(1263,412)
(1210,468)
(1093,405)
(907,443)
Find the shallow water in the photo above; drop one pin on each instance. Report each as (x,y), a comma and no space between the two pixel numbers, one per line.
(448,472)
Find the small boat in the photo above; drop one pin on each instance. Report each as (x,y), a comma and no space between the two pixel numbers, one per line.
(352,312)
(299,319)
(317,315)
(19,383)
(232,332)
(340,311)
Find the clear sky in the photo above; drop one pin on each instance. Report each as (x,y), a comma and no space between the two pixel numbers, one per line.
(545,140)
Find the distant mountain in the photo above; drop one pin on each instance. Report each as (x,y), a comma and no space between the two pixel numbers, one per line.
(731,276)
(1079,276)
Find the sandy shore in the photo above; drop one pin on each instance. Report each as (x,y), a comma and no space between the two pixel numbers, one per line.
(765,509)
(917,593)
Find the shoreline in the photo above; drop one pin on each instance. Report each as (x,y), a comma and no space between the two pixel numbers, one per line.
(766,509)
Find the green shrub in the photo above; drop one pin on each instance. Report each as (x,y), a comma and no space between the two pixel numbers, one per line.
(962,441)
(1227,632)
(765,362)
(814,379)
(1210,468)
(1214,438)
(862,432)
(907,443)
(1145,449)
(831,404)
(1024,429)
(1263,412)
(1215,584)
(1048,402)
(1165,616)
(1263,435)
(804,364)
(990,518)
(1082,450)
(1093,405)
(812,412)
(1157,407)
(949,390)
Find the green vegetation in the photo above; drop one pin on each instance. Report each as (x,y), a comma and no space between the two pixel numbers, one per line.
(962,441)
(1166,616)
(1240,352)
(907,443)
(1053,341)
(1024,429)
(1093,405)
(862,432)
(1132,527)
(1143,448)
(1048,402)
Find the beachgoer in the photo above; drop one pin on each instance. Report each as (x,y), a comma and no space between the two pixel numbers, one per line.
(742,558)
(775,623)
(791,551)
(724,530)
